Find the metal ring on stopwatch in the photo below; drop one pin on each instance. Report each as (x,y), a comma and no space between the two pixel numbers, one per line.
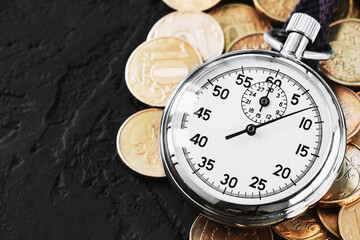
(270,38)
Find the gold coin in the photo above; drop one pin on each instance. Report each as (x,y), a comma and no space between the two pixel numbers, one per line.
(344,38)
(197,28)
(237,20)
(356,140)
(329,217)
(191,5)
(350,104)
(346,188)
(345,9)
(349,221)
(306,226)
(249,41)
(156,67)
(204,228)
(138,142)
(277,10)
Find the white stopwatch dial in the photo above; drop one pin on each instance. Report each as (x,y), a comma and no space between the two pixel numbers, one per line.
(263,101)
(256,150)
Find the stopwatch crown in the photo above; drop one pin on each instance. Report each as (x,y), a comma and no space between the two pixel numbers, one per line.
(304,24)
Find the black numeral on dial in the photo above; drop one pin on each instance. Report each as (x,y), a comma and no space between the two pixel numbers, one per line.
(277,82)
(230,181)
(258,183)
(220,92)
(295,99)
(242,79)
(305,123)
(199,140)
(209,163)
(282,172)
(302,150)
(203,113)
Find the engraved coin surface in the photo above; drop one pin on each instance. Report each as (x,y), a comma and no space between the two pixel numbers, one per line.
(276,10)
(346,9)
(344,38)
(238,20)
(204,228)
(156,67)
(198,28)
(306,226)
(350,104)
(349,221)
(346,187)
(191,5)
(138,143)
(329,217)
(249,41)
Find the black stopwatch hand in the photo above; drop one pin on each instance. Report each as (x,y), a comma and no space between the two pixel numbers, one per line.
(251,129)
(264,101)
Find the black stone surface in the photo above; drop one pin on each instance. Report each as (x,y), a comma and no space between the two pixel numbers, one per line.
(62,100)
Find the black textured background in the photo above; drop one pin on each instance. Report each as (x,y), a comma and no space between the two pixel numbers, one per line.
(62,100)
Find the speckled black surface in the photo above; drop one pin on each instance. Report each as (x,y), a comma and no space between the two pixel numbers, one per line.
(62,100)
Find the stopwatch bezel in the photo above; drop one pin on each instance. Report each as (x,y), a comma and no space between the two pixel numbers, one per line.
(260,215)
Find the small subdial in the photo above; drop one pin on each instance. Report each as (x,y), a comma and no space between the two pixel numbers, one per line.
(264,101)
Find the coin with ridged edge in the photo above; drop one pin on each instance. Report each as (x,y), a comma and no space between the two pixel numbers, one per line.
(237,20)
(329,217)
(198,28)
(306,226)
(204,228)
(344,39)
(249,41)
(191,5)
(138,142)
(277,10)
(346,188)
(349,221)
(156,67)
(346,9)
(350,104)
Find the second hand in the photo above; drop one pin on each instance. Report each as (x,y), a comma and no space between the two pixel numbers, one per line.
(253,128)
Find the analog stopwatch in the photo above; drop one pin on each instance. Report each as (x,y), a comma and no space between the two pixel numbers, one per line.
(253,137)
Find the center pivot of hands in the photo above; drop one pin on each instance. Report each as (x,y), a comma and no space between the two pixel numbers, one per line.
(264,101)
(251,129)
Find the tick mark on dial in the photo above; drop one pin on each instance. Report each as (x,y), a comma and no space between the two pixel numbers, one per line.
(196,170)
(293,181)
(224,190)
(305,92)
(277,72)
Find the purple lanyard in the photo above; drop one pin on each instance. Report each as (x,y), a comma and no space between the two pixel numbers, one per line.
(322,11)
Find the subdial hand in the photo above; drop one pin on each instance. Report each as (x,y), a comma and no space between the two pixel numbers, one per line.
(251,129)
(265,101)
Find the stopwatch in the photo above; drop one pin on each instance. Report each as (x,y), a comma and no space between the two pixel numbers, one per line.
(254,137)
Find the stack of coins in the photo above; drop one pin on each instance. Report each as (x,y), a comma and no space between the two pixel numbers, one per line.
(202,29)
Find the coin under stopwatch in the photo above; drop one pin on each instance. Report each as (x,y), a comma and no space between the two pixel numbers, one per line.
(254,136)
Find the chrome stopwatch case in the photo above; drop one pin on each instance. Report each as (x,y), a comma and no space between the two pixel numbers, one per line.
(254,137)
